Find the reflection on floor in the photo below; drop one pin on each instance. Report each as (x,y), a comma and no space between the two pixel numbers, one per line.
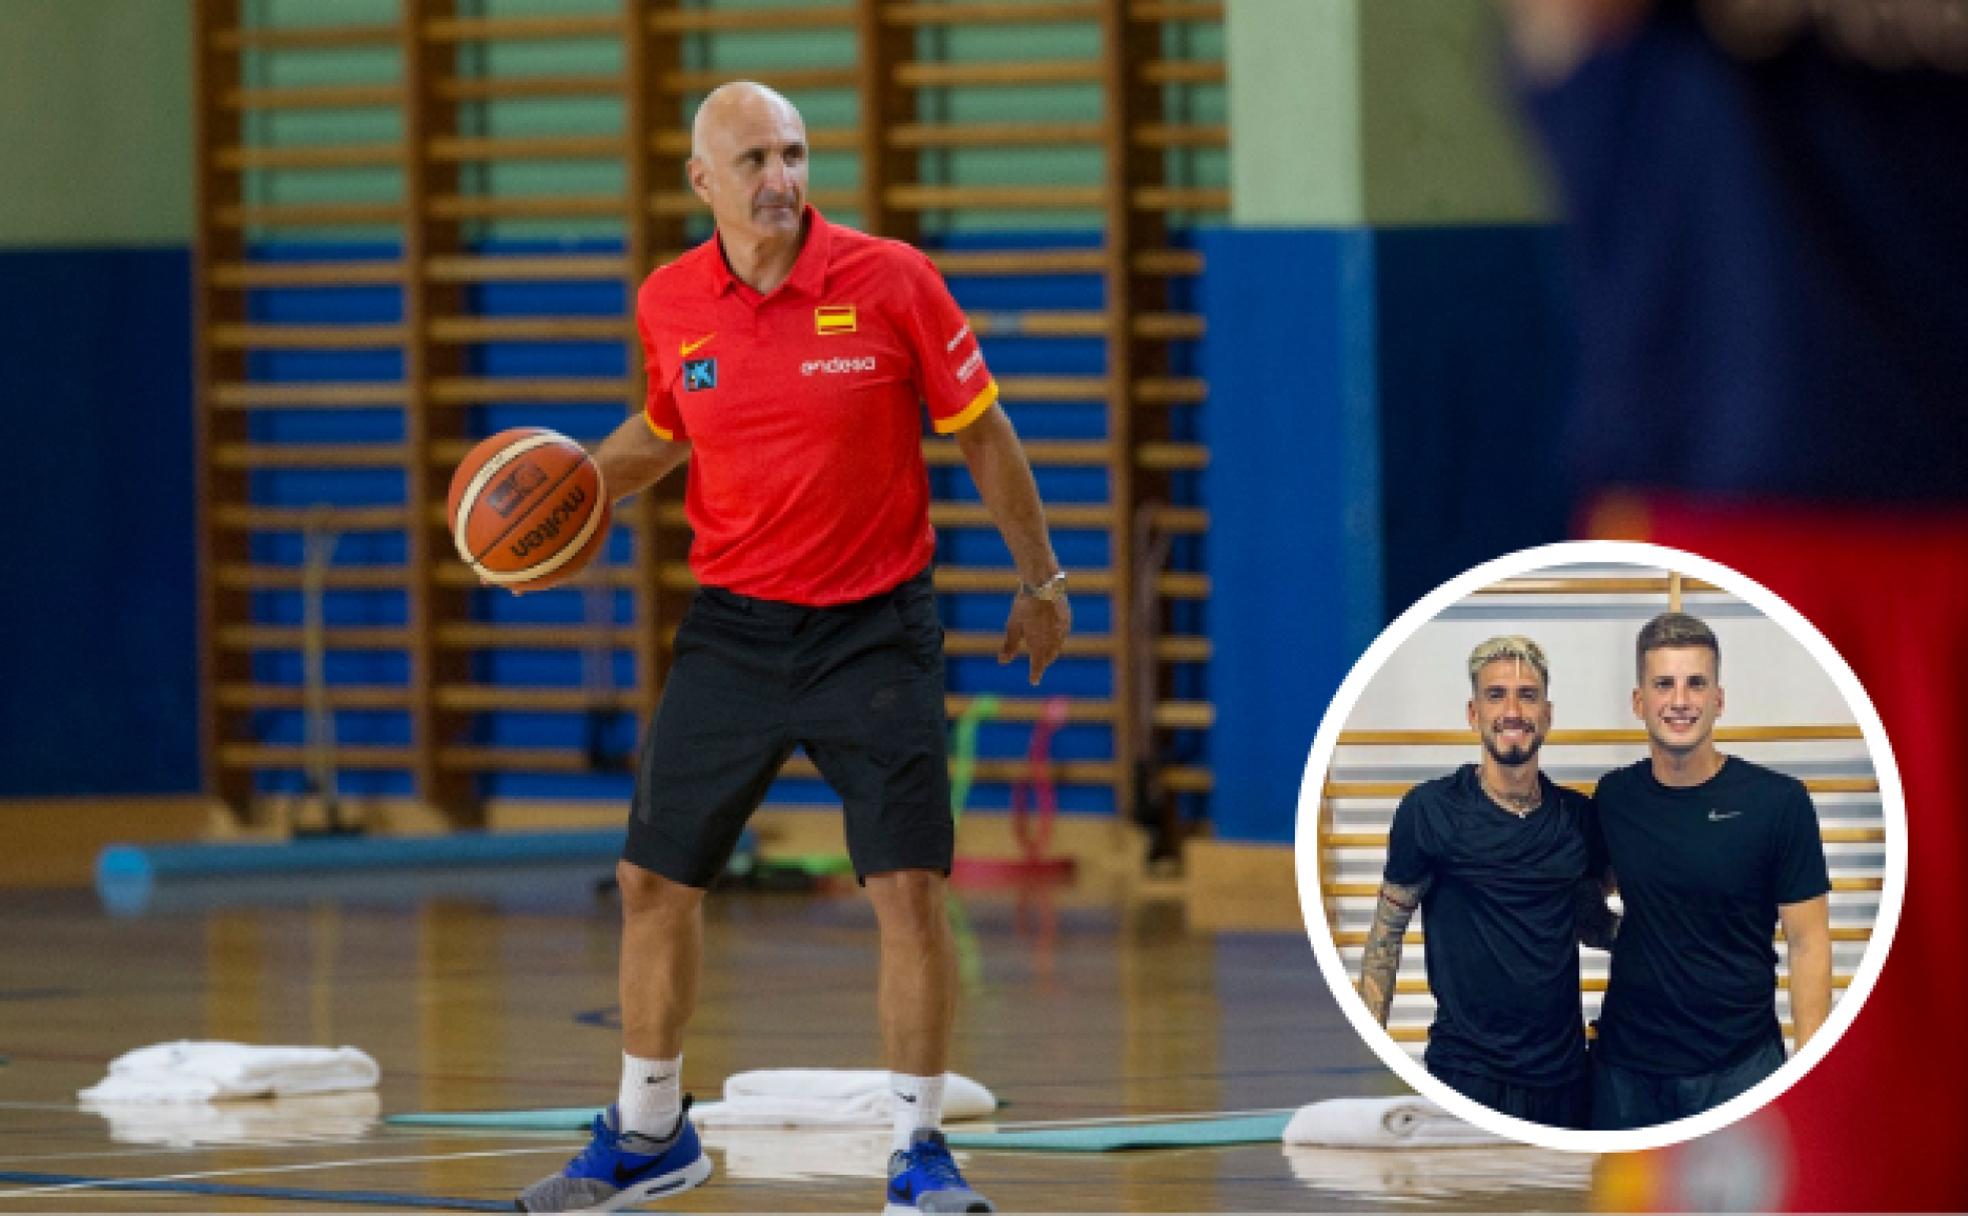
(496,990)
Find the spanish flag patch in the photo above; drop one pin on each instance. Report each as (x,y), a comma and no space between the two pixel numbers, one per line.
(833,319)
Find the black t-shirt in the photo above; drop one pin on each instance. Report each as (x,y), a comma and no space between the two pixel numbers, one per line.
(1702,871)
(1503,957)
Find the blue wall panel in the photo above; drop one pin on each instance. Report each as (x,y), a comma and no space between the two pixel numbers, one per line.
(1383,415)
(98,366)
(1294,553)
(101,665)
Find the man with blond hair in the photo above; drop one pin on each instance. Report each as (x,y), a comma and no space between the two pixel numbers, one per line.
(791,361)
(1710,853)
(1495,856)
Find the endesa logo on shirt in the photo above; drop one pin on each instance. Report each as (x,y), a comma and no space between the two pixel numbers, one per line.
(840,365)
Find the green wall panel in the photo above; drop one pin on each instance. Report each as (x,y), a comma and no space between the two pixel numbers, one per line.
(1441,137)
(1374,112)
(95,117)
(1294,85)
(87,166)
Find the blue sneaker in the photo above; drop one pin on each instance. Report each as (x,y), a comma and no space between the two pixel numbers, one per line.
(924,1178)
(621,1168)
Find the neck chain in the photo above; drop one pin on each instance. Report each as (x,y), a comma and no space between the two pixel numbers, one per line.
(1519,805)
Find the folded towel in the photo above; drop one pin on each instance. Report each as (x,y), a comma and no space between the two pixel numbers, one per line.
(1383,1123)
(198,1071)
(804,1097)
(311,1118)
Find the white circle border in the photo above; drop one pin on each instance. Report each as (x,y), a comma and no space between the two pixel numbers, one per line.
(1306,849)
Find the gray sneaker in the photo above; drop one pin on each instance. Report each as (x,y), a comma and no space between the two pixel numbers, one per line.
(620,1168)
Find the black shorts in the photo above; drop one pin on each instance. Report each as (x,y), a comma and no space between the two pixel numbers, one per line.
(1624,1098)
(1566,1105)
(859,686)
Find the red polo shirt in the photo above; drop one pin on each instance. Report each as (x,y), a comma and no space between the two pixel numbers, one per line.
(802,411)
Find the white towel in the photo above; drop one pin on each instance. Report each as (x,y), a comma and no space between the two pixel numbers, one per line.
(312,1118)
(1383,1123)
(827,1097)
(199,1071)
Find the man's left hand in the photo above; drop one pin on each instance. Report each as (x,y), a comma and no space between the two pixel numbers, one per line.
(1038,627)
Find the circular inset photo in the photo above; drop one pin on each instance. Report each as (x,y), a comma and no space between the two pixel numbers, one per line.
(1601,846)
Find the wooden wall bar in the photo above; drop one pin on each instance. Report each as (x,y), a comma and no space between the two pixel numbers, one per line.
(418,659)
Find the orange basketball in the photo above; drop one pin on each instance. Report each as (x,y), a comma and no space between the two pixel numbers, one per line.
(527,509)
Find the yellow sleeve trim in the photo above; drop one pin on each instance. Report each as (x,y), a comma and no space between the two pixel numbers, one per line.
(661,434)
(970,413)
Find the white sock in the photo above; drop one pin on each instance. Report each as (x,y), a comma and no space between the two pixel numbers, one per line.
(918,1105)
(652,1095)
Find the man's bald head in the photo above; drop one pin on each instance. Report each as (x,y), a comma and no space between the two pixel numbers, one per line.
(748,164)
(731,105)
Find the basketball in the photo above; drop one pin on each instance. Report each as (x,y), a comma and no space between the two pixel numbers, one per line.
(527,510)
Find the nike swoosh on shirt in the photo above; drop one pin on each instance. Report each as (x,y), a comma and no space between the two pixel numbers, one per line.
(1719,816)
(690,348)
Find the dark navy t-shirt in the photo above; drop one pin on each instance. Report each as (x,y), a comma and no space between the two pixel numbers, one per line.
(1702,871)
(1502,950)
(1772,262)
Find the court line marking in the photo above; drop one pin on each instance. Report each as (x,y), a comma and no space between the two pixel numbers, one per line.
(388,1199)
(1124,1120)
(424,1158)
(299,1167)
(179,1150)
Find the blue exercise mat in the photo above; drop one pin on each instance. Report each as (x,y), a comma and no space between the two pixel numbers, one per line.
(555,1119)
(1268,1128)
(1120,1137)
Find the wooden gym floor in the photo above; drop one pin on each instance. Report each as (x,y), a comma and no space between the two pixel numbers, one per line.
(496,991)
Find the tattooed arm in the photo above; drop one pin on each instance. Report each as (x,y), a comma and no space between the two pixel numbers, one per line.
(1392,912)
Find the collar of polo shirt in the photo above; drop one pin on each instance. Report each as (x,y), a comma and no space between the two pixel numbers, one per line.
(809,275)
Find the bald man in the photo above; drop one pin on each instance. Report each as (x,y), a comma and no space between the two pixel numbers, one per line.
(791,360)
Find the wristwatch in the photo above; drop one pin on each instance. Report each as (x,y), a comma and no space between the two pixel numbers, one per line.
(1053,588)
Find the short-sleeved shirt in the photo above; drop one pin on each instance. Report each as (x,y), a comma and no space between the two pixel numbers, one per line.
(1702,871)
(803,409)
(1499,914)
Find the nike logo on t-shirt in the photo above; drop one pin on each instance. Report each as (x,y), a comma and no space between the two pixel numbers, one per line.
(1718,816)
(690,348)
